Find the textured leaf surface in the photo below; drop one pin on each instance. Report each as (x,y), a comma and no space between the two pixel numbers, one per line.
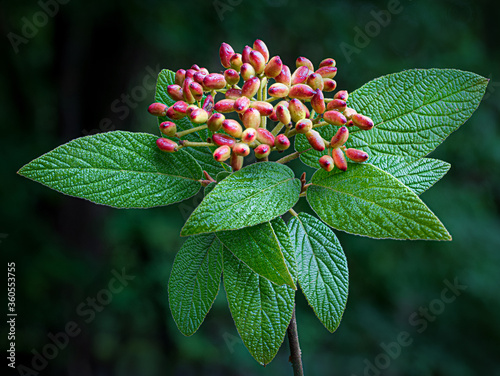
(287,248)
(259,249)
(367,201)
(322,268)
(255,194)
(260,309)
(194,281)
(119,169)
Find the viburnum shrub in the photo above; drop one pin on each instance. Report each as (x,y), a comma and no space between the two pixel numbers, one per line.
(218,130)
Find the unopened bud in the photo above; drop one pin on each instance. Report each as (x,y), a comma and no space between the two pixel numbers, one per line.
(249,135)
(348,112)
(264,108)
(214,81)
(362,122)
(300,75)
(265,137)
(164,144)
(342,94)
(204,71)
(222,153)
(245,54)
(329,84)
(191,108)
(356,155)
(208,104)
(315,140)
(232,128)
(251,118)
(340,137)
(224,105)
(215,121)
(273,68)
(278,90)
(303,126)
(260,46)
(349,123)
(328,62)
(195,67)
(339,159)
(262,151)
(281,142)
(179,76)
(273,116)
(304,62)
(232,77)
(251,87)
(180,107)
(233,94)
(175,92)
(190,74)
(247,71)
(199,77)
(222,139)
(158,109)
(297,109)
(241,149)
(168,128)
(236,62)
(334,118)
(258,61)
(283,114)
(172,114)
(196,90)
(327,72)
(241,104)
(186,90)
(318,102)
(301,91)
(285,76)
(236,162)
(326,163)
(225,53)
(315,81)
(198,116)
(337,105)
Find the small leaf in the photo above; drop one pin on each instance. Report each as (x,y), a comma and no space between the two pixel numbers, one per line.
(322,267)
(194,281)
(119,169)
(261,310)
(255,194)
(258,248)
(367,201)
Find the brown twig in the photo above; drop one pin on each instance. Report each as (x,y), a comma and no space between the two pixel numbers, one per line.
(295,353)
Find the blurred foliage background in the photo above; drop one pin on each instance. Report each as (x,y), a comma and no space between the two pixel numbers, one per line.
(90,67)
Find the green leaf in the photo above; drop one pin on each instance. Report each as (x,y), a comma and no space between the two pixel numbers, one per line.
(367,201)
(261,310)
(255,194)
(194,281)
(418,175)
(119,169)
(322,267)
(259,249)
(209,188)
(287,248)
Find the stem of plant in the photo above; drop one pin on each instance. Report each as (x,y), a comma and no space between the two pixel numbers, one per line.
(184,143)
(291,157)
(295,353)
(191,130)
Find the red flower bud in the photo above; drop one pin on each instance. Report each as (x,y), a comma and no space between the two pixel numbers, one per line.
(168,128)
(283,115)
(236,162)
(236,62)
(241,104)
(249,135)
(180,107)
(195,67)
(278,90)
(264,108)
(190,108)
(281,142)
(356,155)
(199,77)
(349,123)
(175,92)
(208,104)
(245,55)
(172,114)
(190,74)
(334,118)
(300,75)
(304,62)
(262,151)
(241,149)
(327,72)
(273,116)
(326,163)
(186,90)
(232,77)
(247,71)
(232,127)
(164,144)
(222,139)
(251,87)
(158,109)
(297,109)
(258,61)
(204,71)
(222,153)
(336,104)
(285,76)
(196,90)
(179,76)
(315,81)
(265,137)
(315,140)
(340,137)
(215,121)
(342,94)
(273,68)
(318,102)
(251,118)
(301,91)
(233,93)
(339,159)
(260,46)
(214,81)
(224,105)
(362,122)
(329,84)
(328,62)
(198,116)
(225,53)
(303,126)
(348,112)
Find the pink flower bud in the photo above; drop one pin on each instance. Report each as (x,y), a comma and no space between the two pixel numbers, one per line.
(349,123)
(164,144)
(199,77)
(172,114)
(208,104)
(222,153)
(236,162)
(190,108)
(262,151)
(300,75)
(251,118)
(342,94)
(158,109)
(179,76)
(175,92)
(241,149)
(278,90)
(215,121)
(190,74)
(232,77)
(315,140)
(340,137)
(233,94)
(283,103)
(339,159)
(195,67)
(315,81)
(283,115)
(329,84)
(198,116)
(260,46)
(327,72)
(249,135)
(273,68)
(304,62)
(301,91)
(318,102)
(265,137)
(245,55)
(232,128)
(247,71)
(337,105)
(297,109)
(204,71)
(186,90)
(264,108)
(224,105)
(214,81)
(196,90)
(241,104)
(334,118)
(348,112)
(273,116)
(236,62)
(222,139)
(328,62)
(168,128)
(258,61)
(285,76)
(180,107)
(303,126)
(251,87)
(326,163)
(356,155)
(281,142)
(362,122)
(225,53)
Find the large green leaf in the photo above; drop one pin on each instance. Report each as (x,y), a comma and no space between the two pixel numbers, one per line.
(194,281)
(368,201)
(261,310)
(322,267)
(255,194)
(259,249)
(287,247)
(119,169)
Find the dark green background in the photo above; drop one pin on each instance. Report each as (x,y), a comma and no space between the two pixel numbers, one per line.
(63,82)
